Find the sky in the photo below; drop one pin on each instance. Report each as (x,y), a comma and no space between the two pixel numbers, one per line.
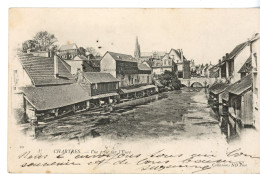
(204,35)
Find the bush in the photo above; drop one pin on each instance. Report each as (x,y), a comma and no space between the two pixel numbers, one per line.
(170,79)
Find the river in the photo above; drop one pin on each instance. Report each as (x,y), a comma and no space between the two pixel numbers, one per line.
(175,115)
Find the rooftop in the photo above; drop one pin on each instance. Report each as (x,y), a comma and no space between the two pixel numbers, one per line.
(68,47)
(50,97)
(242,85)
(236,50)
(99,77)
(122,57)
(218,88)
(143,67)
(41,70)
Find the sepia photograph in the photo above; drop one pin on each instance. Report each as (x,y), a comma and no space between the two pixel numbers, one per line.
(133,90)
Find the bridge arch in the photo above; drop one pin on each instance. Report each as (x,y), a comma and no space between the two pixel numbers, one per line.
(196,84)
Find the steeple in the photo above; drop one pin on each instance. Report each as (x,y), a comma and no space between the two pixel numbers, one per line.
(137,53)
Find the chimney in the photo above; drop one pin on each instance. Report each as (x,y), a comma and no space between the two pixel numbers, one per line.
(219,61)
(51,54)
(56,69)
(181,54)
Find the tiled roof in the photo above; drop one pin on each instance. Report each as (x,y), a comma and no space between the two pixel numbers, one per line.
(68,47)
(236,50)
(225,95)
(143,67)
(247,67)
(98,77)
(50,97)
(122,57)
(242,85)
(218,88)
(41,70)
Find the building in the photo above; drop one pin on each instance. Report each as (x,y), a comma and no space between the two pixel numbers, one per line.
(240,105)
(186,70)
(246,68)
(121,66)
(193,68)
(83,63)
(239,100)
(76,63)
(157,67)
(183,65)
(102,87)
(48,102)
(144,74)
(134,78)
(231,63)
(41,86)
(160,66)
(215,97)
(154,55)
(168,64)
(213,71)
(68,51)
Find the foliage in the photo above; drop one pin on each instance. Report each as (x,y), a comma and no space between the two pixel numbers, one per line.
(82,51)
(92,50)
(45,40)
(42,41)
(170,79)
(29,44)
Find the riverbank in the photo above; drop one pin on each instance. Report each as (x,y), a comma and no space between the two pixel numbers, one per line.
(174,115)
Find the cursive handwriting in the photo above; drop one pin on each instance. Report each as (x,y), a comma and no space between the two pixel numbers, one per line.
(238,153)
(157,161)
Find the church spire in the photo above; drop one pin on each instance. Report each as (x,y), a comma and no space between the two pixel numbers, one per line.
(137,52)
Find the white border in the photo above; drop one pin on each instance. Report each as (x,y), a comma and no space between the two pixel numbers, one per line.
(83,4)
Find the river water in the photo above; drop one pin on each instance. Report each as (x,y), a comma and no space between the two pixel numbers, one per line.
(175,115)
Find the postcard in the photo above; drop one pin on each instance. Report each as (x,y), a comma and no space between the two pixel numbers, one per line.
(133,90)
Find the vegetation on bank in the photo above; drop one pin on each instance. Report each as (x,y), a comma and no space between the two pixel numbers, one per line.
(170,79)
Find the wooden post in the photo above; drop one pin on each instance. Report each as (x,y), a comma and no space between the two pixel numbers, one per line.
(228,131)
(73,108)
(88,104)
(56,112)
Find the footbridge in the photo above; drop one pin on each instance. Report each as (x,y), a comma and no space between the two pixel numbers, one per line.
(197,82)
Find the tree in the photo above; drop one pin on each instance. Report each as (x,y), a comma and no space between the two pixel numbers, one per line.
(91,50)
(45,40)
(82,51)
(29,44)
(170,79)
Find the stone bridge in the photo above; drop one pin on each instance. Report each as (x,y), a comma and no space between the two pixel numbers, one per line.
(197,81)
